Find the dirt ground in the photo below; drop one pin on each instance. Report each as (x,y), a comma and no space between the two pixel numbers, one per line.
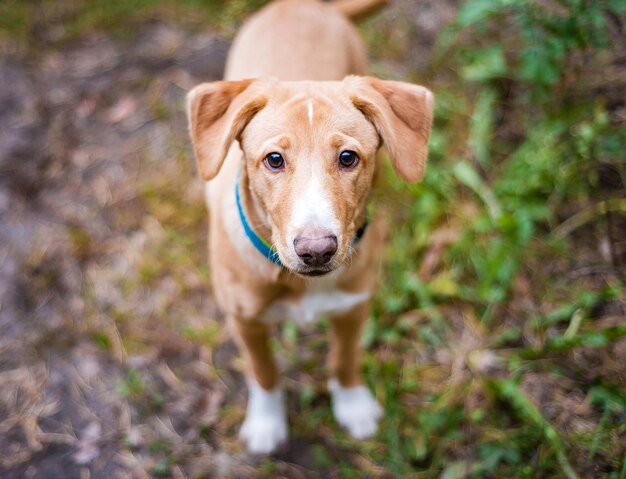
(84,131)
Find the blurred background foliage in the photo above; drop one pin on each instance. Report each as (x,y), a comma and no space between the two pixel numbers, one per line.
(526,178)
(497,339)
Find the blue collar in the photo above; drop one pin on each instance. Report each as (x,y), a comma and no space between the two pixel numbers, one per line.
(261,244)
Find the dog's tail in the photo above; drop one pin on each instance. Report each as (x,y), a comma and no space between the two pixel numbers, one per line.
(357,8)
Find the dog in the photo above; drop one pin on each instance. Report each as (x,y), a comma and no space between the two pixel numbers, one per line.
(288,145)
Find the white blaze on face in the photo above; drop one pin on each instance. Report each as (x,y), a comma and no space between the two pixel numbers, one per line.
(312,208)
(309,109)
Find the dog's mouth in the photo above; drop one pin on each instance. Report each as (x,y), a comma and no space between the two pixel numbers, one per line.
(316,272)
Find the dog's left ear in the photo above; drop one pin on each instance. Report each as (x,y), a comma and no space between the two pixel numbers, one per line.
(217,113)
(402,113)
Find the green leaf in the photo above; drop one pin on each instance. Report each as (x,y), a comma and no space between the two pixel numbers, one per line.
(481,126)
(443,284)
(485,65)
(480,11)
(466,174)
(609,397)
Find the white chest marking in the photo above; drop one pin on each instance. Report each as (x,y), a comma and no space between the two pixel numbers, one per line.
(311,307)
(309,109)
(320,300)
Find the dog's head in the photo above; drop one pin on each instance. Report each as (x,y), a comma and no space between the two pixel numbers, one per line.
(310,153)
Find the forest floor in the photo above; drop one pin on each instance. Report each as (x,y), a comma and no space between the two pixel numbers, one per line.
(113,357)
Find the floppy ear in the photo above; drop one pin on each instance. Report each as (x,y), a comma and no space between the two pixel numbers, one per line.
(217,113)
(402,113)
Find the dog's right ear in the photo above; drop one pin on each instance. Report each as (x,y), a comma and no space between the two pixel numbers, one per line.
(217,113)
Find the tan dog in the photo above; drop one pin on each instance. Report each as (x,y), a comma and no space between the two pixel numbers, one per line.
(289,159)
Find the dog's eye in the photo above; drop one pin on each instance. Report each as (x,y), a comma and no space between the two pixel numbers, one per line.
(274,161)
(348,159)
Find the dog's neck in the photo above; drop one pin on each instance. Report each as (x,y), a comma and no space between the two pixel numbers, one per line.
(254,220)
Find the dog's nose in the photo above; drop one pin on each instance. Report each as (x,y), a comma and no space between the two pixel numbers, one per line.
(315,250)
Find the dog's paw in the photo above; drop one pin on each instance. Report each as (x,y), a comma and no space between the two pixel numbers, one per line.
(265,426)
(355,409)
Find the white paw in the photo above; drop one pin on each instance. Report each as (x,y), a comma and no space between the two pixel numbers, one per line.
(265,426)
(355,409)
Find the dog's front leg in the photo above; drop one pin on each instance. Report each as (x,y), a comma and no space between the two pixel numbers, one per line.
(354,406)
(265,426)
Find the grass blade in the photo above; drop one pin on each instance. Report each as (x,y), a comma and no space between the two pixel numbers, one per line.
(507,390)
